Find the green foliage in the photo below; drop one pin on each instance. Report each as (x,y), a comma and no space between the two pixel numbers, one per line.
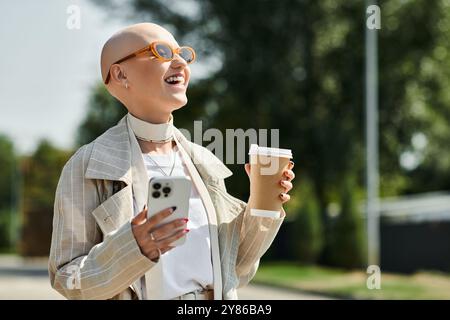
(347,245)
(414,81)
(41,174)
(7,171)
(308,233)
(5,225)
(8,191)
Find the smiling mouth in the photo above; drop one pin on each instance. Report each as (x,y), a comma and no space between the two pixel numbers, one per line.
(175,80)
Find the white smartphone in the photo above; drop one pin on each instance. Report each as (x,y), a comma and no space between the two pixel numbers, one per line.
(165,192)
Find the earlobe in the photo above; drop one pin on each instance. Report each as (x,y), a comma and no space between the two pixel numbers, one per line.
(123,78)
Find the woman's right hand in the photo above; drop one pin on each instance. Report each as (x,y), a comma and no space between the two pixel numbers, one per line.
(153,240)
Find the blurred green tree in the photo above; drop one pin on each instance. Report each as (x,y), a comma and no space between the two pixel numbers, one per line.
(346,245)
(414,100)
(41,173)
(308,238)
(8,194)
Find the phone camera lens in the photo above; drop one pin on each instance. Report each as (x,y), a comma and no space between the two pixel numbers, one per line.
(166,189)
(156,194)
(157,185)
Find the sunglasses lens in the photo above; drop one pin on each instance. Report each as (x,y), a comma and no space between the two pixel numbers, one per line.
(187,54)
(164,51)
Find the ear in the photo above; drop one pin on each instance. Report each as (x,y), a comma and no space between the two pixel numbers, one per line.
(118,75)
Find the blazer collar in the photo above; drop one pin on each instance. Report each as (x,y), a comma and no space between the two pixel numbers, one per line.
(112,156)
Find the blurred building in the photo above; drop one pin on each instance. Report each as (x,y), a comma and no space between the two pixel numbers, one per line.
(415,233)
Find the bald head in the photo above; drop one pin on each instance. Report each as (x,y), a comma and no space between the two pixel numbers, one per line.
(129,40)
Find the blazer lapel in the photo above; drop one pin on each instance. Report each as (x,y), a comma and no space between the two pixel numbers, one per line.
(210,168)
(110,158)
(115,157)
(208,165)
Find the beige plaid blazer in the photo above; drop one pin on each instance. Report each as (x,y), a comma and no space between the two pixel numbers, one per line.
(93,252)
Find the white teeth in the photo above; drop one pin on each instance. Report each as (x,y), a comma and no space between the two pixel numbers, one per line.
(172,79)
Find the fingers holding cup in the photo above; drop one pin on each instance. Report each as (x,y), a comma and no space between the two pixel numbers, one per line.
(287,185)
(289,174)
(247,169)
(284,197)
(291,165)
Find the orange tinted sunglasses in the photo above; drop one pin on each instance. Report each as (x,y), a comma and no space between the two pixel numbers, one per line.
(162,51)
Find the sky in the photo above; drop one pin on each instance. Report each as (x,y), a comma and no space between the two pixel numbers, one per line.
(49,69)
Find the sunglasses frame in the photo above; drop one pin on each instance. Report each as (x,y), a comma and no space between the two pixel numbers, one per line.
(152,48)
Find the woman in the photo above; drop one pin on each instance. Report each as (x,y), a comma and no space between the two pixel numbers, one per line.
(103,246)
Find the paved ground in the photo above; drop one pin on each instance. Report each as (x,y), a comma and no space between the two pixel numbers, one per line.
(20,279)
(258,292)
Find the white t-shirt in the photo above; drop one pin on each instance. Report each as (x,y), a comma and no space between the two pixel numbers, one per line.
(187,267)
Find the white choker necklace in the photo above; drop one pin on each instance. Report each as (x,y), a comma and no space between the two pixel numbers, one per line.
(158,133)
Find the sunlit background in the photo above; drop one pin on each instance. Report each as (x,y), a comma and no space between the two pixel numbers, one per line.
(297,66)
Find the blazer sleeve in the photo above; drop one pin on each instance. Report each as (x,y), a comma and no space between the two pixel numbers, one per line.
(255,237)
(83,264)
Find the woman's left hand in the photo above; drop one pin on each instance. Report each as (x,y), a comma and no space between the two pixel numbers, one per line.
(285,182)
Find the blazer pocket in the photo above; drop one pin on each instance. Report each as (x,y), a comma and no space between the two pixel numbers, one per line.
(114,211)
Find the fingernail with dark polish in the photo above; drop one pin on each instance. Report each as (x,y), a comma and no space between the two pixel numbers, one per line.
(174,208)
(186,230)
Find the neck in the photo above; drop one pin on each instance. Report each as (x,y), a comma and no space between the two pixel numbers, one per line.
(152,137)
(153,118)
(149,131)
